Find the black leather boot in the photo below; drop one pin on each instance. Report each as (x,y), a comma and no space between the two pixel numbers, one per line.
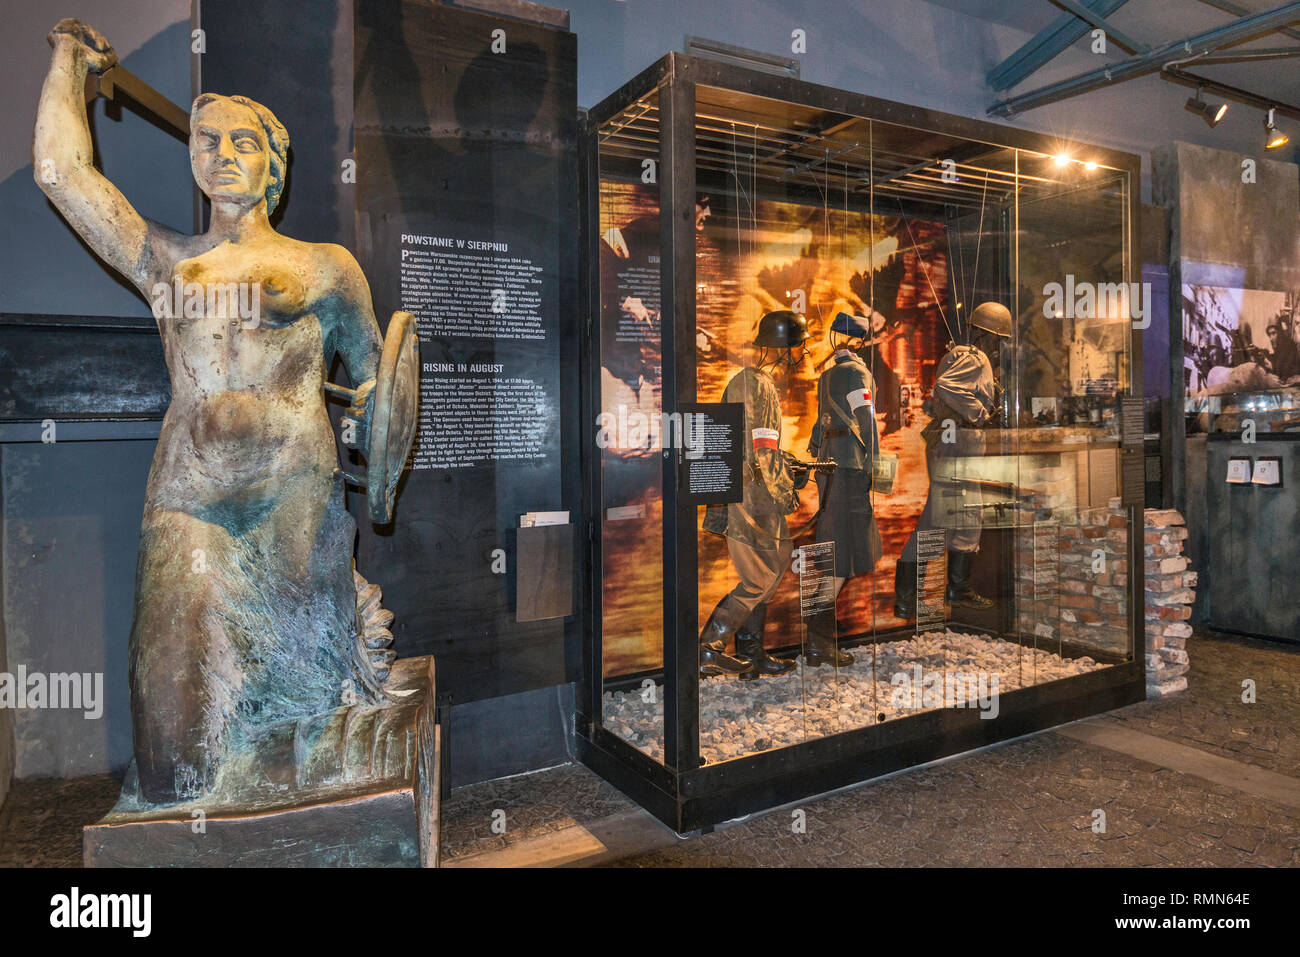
(720,627)
(960,565)
(905,590)
(749,647)
(820,649)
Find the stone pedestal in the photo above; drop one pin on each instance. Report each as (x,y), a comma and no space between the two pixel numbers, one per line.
(356,787)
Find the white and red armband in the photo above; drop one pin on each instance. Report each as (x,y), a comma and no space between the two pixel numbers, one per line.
(858,398)
(765,438)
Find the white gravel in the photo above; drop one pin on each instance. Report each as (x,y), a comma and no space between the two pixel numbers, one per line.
(743,717)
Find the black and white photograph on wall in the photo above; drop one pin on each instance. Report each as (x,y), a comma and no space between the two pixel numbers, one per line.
(1239,340)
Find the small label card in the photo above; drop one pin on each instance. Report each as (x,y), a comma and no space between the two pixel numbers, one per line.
(1267,472)
(1238,471)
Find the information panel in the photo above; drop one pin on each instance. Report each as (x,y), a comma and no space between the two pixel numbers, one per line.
(466,217)
(711,453)
(931,579)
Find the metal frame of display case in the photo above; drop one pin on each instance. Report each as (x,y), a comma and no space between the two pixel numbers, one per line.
(680,792)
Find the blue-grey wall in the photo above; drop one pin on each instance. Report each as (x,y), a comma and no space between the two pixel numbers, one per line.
(70,525)
(44,267)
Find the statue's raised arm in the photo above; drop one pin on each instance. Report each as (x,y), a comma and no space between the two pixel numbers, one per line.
(63,161)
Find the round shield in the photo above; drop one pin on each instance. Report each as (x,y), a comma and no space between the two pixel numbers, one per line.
(392,424)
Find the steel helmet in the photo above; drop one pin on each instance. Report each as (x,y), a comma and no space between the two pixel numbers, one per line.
(992,317)
(781,329)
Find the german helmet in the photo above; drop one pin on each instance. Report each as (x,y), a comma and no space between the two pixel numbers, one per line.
(781,329)
(992,317)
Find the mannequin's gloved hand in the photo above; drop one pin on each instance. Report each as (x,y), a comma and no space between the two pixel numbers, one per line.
(798,471)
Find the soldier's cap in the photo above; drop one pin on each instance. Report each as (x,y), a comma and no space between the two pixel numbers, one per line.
(848,324)
(781,329)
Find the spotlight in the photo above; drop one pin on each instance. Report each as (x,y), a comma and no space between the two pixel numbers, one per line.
(1061,159)
(1273,137)
(1090,166)
(1207,111)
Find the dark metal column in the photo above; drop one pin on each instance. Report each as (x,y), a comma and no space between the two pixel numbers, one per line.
(677,323)
(590,696)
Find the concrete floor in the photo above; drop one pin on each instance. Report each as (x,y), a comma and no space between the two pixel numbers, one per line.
(1197,780)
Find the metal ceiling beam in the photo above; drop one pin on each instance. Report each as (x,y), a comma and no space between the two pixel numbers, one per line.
(1237,10)
(1046,45)
(1177,51)
(1239,56)
(1083,13)
(1251,53)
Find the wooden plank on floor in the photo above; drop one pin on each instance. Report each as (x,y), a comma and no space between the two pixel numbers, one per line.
(1187,760)
(554,849)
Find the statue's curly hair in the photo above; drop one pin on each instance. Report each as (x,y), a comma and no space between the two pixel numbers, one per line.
(276,136)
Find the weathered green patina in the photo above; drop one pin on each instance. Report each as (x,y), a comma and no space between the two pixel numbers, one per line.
(248,612)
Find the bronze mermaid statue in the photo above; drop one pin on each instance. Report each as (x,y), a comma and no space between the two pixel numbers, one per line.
(246,601)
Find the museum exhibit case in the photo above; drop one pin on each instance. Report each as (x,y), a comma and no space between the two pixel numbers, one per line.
(864,472)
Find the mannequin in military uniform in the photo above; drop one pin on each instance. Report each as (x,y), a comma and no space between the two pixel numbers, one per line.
(845,433)
(758,537)
(965,395)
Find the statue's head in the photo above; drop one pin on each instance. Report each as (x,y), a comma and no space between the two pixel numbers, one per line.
(238,149)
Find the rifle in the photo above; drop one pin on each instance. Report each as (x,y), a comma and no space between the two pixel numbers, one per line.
(1015,498)
(1009,489)
(795,464)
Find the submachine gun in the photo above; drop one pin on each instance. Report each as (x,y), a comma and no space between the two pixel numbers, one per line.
(1011,497)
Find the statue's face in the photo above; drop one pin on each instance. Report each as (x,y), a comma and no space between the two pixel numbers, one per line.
(229,153)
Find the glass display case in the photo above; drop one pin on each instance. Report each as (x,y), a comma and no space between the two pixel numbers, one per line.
(864,476)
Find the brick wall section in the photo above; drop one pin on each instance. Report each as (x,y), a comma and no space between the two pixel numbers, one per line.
(1073,577)
(1170,592)
(1072,585)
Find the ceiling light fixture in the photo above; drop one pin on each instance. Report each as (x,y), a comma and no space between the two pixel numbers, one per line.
(1207,111)
(1274,138)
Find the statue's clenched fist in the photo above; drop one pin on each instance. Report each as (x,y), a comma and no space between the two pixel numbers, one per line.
(86,42)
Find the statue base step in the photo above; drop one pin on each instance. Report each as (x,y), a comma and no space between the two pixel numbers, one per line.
(356,787)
